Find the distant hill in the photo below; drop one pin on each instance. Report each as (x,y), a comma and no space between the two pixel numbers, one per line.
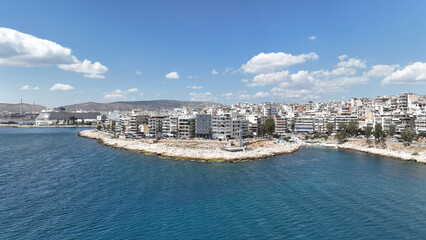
(144,105)
(26,108)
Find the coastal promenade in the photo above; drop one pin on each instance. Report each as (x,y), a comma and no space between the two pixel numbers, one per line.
(200,150)
(211,150)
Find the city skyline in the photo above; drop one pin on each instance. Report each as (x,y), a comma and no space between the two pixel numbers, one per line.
(225,52)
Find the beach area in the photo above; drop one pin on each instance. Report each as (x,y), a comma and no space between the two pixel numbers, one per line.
(200,150)
(212,150)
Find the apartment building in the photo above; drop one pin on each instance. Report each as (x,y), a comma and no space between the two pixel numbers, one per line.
(221,127)
(203,125)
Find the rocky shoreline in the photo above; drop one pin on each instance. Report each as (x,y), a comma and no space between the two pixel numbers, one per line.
(392,150)
(210,150)
(197,150)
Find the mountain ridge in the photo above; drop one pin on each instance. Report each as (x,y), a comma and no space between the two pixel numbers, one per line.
(149,105)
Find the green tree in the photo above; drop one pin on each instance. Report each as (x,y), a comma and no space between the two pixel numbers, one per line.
(71,119)
(341,136)
(378,131)
(262,129)
(368,132)
(98,127)
(352,128)
(408,135)
(342,127)
(268,127)
(330,127)
(392,129)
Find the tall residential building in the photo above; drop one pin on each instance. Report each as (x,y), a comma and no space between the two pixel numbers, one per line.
(221,126)
(239,127)
(186,127)
(203,125)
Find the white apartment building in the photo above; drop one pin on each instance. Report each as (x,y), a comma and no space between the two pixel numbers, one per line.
(221,127)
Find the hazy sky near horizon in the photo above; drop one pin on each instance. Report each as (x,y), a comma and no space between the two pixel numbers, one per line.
(65,52)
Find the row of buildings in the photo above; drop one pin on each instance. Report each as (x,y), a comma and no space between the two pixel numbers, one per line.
(221,121)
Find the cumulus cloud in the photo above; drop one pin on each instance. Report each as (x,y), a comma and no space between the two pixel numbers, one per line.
(228,95)
(269,78)
(191,77)
(132,90)
(214,72)
(138,72)
(117,94)
(381,70)
(90,70)
(172,75)
(312,38)
(194,87)
(311,85)
(94,75)
(261,95)
(342,57)
(120,94)
(21,49)
(270,62)
(206,96)
(61,87)
(414,73)
(245,80)
(351,62)
(27,87)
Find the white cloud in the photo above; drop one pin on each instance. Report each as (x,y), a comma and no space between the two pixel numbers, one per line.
(61,87)
(342,57)
(228,95)
(206,96)
(381,70)
(140,94)
(244,97)
(21,49)
(245,80)
(120,94)
(261,95)
(132,90)
(27,87)
(194,87)
(191,77)
(117,94)
(94,75)
(270,62)
(311,85)
(351,62)
(138,72)
(214,72)
(269,78)
(414,73)
(312,38)
(172,75)
(90,70)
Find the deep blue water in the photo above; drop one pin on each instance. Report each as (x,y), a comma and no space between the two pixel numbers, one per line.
(55,185)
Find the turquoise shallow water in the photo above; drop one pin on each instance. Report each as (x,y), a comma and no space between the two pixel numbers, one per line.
(55,185)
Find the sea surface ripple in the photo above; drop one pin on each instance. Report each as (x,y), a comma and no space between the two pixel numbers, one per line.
(55,185)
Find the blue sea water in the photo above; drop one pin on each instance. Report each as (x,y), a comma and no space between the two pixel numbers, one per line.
(55,185)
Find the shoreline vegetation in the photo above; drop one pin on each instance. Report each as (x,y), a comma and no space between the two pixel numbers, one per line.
(210,150)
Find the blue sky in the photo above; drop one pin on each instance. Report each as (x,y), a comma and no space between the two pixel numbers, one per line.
(222,51)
